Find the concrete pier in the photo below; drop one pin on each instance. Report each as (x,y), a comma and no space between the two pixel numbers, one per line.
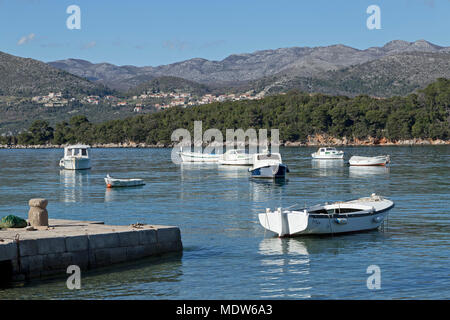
(50,250)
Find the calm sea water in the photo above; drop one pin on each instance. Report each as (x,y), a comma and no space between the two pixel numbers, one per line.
(227,254)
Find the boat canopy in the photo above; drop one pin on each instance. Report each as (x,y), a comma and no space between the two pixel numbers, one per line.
(327,149)
(236,151)
(78,150)
(269,156)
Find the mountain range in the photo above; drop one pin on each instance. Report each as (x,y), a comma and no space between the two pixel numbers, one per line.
(330,69)
(397,68)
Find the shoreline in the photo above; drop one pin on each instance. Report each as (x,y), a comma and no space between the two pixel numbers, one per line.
(312,143)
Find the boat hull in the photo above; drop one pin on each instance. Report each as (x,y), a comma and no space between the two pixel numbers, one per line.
(75,164)
(327,156)
(236,162)
(297,223)
(368,161)
(198,157)
(270,171)
(115,183)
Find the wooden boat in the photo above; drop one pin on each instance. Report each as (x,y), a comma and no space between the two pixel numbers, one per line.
(268,165)
(236,157)
(369,161)
(328,153)
(113,182)
(339,217)
(76,157)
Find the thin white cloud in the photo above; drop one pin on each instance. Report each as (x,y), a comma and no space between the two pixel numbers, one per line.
(26,39)
(176,45)
(89,45)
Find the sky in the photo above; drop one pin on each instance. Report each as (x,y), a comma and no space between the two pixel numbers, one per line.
(154,32)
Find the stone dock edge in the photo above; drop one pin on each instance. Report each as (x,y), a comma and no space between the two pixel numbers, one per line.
(33,254)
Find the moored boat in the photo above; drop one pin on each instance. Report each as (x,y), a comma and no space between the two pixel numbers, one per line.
(188,156)
(114,182)
(328,153)
(76,157)
(348,216)
(236,157)
(369,161)
(268,165)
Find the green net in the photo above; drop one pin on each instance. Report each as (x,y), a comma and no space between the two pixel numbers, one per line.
(12,221)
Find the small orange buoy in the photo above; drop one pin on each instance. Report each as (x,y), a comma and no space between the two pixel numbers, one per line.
(109,186)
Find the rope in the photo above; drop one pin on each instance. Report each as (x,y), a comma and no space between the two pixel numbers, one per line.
(329,222)
(294,205)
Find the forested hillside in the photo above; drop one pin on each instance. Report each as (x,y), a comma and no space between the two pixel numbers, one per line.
(297,115)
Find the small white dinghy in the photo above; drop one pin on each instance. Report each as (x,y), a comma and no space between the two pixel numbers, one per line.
(112,182)
(369,161)
(339,217)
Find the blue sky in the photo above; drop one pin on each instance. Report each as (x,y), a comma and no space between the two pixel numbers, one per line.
(150,32)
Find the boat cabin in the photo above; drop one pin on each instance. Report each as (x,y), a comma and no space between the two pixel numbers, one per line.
(266,158)
(78,151)
(236,151)
(324,150)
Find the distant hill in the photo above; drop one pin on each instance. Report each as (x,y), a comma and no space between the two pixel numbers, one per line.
(242,68)
(27,77)
(170,84)
(397,74)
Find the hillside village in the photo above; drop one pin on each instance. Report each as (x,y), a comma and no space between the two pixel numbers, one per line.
(145,101)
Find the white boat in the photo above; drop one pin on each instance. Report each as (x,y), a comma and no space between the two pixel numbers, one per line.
(113,182)
(339,217)
(236,157)
(328,153)
(369,161)
(268,165)
(188,156)
(76,157)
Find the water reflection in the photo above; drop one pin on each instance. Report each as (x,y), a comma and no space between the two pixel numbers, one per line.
(192,171)
(364,171)
(121,194)
(187,166)
(329,167)
(265,189)
(72,182)
(233,171)
(285,269)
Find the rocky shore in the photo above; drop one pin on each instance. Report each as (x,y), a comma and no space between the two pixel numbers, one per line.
(317,140)
(324,140)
